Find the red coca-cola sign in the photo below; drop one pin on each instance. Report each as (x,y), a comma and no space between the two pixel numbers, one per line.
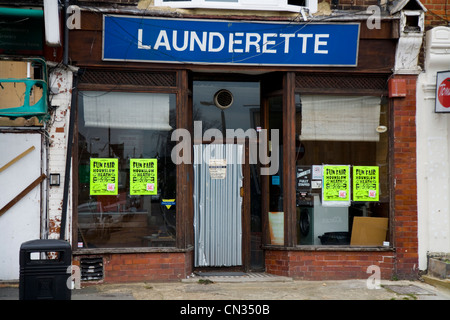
(444,93)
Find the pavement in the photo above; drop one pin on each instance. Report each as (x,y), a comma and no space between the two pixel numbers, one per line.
(251,287)
(259,296)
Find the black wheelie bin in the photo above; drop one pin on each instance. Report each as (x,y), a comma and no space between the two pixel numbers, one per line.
(44,270)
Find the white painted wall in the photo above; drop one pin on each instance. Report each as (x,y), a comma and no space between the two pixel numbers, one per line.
(22,221)
(60,83)
(433,151)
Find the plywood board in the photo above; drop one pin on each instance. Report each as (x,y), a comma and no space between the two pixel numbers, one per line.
(12,94)
(369,231)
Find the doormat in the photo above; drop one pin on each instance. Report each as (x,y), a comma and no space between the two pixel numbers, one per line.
(235,276)
(220,274)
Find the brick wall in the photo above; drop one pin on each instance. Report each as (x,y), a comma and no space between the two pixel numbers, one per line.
(438,13)
(352,4)
(152,266)
(404,229)
(328,265)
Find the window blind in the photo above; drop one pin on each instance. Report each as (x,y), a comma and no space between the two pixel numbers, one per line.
(340,118)
(126,110)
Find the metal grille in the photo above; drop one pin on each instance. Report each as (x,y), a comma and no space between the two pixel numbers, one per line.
(91,269)
(343,82)
(142,79)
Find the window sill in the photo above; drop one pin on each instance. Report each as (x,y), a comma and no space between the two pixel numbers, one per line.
(329,248)
(88,251)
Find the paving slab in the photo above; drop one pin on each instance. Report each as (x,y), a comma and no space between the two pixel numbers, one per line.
(263,288)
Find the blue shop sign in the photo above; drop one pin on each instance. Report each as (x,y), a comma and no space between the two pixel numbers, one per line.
(148,39)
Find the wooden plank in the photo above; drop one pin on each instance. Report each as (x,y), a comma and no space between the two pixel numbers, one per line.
(387,30)
(17,158)
(189,118)
(246,219)
(289,174)
(184,190)
(265,89)
(90,21)
(22,194)
(85,46)
(125,88)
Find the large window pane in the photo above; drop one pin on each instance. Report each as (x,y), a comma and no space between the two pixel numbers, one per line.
(345,134)
(128,131)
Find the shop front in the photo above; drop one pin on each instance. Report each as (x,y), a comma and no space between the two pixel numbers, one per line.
(205,144)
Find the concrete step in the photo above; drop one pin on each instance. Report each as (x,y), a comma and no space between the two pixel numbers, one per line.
(437,282)
(236,277)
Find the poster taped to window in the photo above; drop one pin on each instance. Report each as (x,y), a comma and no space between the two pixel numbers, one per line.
(104,175)
(304,175)
(336,185)
(366,183)
(143,176)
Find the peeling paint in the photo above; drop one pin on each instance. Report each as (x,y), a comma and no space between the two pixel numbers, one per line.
(62,80)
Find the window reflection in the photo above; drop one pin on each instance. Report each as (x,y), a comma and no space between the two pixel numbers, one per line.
(243,113)
(126,126)
(340,130)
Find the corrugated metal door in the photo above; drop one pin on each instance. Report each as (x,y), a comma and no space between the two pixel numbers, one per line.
(218,204)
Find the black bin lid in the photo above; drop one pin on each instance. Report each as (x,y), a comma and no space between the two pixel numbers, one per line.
(45,245)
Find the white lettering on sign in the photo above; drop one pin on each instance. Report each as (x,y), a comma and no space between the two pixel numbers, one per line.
(237,42)
(252,39)
(318,43)
(221,39)
(286,37)
(140,45)
(305,40)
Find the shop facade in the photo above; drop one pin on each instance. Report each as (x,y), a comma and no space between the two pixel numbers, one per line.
(204,142)
(34,98)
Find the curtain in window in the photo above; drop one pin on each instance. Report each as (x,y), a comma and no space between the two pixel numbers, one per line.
(125,110)
(340,118)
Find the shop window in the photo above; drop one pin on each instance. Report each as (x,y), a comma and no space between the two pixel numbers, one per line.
(126,179)
(342,170)
(269,5)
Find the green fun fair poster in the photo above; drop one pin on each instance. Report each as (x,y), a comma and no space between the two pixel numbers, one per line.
(104,175)
(336,183)
(143,176)
(366,183)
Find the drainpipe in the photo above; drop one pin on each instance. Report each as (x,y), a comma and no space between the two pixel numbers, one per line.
(68,157)
(66,34)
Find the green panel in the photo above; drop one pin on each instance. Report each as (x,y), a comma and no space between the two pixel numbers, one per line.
(15,12)
(22,30)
